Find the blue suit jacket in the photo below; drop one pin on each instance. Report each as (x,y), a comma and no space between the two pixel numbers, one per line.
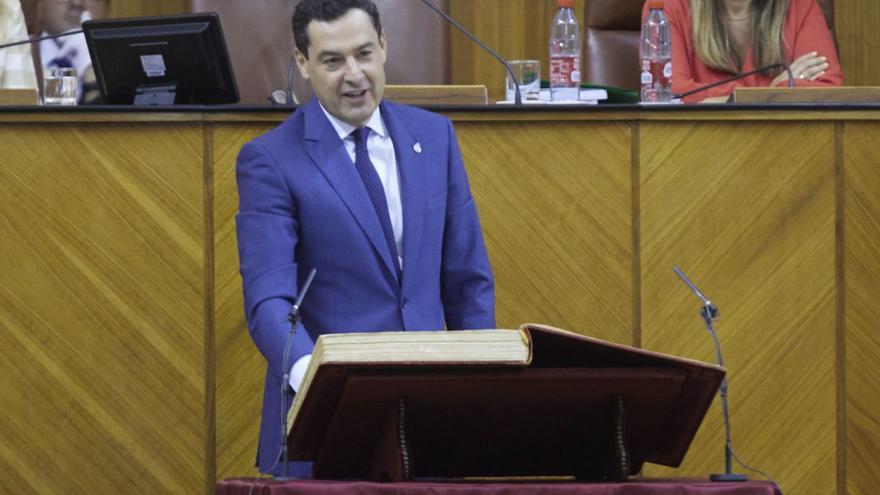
(303,205)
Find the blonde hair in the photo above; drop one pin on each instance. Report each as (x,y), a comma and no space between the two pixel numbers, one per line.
(714,45)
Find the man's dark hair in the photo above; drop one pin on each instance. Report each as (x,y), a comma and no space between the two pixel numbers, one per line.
(326,11)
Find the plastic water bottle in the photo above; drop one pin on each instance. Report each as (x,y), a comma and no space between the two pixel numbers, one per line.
(655,56)
(565,53)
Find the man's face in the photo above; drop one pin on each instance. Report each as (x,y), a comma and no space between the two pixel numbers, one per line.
(346,66)
(58,16)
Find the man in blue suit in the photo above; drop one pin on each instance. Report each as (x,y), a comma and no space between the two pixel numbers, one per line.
(372,194)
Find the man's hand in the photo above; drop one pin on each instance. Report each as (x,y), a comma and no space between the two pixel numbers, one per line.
(808,67)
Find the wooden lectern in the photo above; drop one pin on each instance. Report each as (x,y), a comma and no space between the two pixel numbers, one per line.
(579,407)
(24,96)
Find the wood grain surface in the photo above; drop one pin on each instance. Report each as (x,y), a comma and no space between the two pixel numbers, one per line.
(102,324)
(127,366)
(240,367)
(861,314)
(856,24)
(747,211)
(139,8)
(555,208)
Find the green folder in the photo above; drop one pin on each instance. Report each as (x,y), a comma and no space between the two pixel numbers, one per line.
(615,94)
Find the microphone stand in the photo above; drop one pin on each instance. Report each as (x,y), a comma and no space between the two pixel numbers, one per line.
(517,98)
(294,318)
(34,40)
(710,312)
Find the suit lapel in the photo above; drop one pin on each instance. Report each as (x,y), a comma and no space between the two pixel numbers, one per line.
(327,151)
(409,152)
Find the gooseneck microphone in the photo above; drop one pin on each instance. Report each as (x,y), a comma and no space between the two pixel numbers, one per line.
(517,99)
(710,312)
(285,96)
(35,40)
(737,78)
(294,318)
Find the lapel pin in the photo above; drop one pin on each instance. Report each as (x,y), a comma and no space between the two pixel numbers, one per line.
(417,147)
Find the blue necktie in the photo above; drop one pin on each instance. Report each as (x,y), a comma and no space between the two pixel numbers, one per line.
(374,189)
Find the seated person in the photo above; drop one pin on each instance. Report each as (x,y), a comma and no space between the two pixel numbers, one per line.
(713,40)
(16,63)
(60,16)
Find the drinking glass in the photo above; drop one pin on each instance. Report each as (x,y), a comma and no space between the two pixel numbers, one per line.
(528,74)
(59,86)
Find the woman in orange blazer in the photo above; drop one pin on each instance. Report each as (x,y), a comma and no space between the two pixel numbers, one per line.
(715,39)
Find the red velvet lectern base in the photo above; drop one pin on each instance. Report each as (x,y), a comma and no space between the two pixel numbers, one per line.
(242,486)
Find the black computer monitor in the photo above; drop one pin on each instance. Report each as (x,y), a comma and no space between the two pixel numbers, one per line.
(178,59)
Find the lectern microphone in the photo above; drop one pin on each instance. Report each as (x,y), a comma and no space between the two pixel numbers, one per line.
(710,312)
(293,317)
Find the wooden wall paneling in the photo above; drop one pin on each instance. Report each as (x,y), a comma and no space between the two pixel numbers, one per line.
(108,306)
(240,367)
(862,284)
(516,29)
(747,211)
(554,202)
(102,325)
(139,8)
(856,24)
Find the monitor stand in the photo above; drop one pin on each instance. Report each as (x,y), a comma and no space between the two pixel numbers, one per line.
(155,94)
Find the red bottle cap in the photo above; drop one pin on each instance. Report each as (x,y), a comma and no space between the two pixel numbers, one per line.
(565,4)
(655,4)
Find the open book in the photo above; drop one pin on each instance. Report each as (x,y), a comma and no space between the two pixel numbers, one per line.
(531,384)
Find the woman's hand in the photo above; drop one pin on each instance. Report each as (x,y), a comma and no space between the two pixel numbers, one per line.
(808,67)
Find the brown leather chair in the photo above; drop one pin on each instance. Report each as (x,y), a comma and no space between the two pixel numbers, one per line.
(260,42)
(611,40)
(828,9)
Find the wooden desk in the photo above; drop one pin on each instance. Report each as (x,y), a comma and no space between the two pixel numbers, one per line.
(125,360)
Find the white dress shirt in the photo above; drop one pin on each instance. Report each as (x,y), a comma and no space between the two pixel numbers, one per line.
(384,160)
(381,149)
(67,51)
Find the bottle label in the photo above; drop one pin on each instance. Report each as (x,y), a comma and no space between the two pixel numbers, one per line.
(657,74)
(565,71)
